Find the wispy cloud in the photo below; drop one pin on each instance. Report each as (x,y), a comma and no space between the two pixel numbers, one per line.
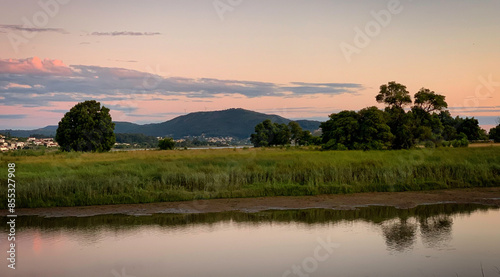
(124,33)
(50,80)
(122,108)
(54,111)
(32,29)
(479,109)
(123,61)
(12,116)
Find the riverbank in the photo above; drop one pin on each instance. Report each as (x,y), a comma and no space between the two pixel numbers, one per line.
(401,200)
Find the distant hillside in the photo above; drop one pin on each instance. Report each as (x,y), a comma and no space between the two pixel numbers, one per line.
(239,123)
(48,131)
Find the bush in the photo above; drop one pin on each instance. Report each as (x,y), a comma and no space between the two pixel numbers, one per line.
(333,145)
(460,143)
(166,144)
(429,144)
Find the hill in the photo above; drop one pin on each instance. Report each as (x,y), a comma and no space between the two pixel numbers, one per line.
(238,123)
(48,131)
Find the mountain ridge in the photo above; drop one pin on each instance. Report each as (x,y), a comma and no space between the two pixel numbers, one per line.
(235,122)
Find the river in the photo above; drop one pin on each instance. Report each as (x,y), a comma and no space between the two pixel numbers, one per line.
(429,240)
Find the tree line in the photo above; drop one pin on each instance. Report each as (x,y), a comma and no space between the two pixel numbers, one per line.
(403,124)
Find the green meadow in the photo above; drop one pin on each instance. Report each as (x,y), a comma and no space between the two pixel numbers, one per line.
(78,179)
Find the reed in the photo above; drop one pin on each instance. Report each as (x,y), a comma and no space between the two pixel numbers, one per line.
(78,179)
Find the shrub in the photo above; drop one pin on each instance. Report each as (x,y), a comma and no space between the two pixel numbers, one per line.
(166,144)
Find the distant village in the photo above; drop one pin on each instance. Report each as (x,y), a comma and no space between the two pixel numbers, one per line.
(15,143)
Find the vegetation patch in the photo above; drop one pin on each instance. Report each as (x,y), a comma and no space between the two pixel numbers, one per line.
(77,179)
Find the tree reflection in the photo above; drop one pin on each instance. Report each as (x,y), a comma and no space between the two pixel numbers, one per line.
(435,230)
(400,234)
(399,226)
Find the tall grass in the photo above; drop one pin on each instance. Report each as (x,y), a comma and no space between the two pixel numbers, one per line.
(75,179)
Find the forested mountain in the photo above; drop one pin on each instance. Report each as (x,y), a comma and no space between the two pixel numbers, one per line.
(238,123)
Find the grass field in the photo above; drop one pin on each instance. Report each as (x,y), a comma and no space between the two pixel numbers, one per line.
(77,179)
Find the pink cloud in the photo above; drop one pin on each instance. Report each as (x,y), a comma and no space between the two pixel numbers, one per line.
(14,85)
(34,66)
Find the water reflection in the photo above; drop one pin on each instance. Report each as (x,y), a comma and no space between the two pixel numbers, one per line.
(436,230)
(400,234)
(399,226)
(433,240)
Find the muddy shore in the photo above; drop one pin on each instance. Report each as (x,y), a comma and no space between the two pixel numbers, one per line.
(403,200)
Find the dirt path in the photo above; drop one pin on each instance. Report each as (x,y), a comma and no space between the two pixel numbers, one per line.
(487,196)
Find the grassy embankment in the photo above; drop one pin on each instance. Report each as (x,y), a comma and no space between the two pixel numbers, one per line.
(77,179)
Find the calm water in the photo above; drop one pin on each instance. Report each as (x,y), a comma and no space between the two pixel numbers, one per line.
(434,240)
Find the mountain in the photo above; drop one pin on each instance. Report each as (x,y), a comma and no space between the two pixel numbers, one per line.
(239,123)
(48,131)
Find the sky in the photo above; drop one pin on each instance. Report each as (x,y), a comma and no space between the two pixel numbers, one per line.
(151,61)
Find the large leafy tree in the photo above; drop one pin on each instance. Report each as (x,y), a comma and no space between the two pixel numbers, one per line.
(470,127)
(429,101)
(402,126)
(366,129)
(86,127)
(268,133)
(426,123)
(394,95)
(341,130)
(374,133)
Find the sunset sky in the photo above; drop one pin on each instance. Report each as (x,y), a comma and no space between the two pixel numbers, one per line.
(150,61)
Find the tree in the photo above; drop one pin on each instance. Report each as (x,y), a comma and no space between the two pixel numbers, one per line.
(449,125)
(470,127)
(374,133)
(306,138)
(282,135)
(86,127)
(495,133)
(366,129)
(268,133)
(341,130)
(402,126)
(394,95)
(426,126)
(263,134)
(296,132)
(166,144)
(429,101)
